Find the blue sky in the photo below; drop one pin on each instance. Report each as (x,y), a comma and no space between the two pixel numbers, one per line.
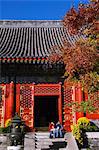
(35,9)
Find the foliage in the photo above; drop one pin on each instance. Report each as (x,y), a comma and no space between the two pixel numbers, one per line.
(86,15)
(80,63)
(77,133)
(81,60)
(83,125)
(4,130)
(1,130)
(53,58)
(8,122)
(84,106)
(83,121)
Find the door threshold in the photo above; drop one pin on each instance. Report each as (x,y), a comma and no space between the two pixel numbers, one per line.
(44,129)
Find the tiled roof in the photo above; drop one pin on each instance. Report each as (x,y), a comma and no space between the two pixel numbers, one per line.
(31,39)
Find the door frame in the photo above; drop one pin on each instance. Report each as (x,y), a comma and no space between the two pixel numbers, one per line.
(46,89)
(51,90)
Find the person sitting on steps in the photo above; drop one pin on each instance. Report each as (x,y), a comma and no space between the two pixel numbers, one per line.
(58,130)
(52,130)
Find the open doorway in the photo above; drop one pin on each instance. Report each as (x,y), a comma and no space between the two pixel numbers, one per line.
(45,110)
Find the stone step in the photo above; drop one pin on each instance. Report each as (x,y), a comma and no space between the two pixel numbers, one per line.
(18,147)
(30,136)
(29,148)
(53,140)
(31,144)
(42,137)
(43,133)
(52,144)
(42,147)
(62,148)
(43,143)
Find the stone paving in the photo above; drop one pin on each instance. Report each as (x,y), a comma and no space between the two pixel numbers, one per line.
(71,143)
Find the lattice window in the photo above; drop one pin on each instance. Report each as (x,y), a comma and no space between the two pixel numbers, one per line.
(68,95)
(26,105)
(95,98)
(26,96)
(46,90)
(67,108)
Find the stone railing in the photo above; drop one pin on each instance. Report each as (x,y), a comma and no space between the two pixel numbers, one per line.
(93,140)
(96,122)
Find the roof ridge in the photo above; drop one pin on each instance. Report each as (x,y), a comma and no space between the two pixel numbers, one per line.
(30,23)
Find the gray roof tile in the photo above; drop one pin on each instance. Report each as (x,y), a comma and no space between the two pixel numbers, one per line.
(32,38)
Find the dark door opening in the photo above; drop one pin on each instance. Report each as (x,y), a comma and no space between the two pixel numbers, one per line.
(45,110)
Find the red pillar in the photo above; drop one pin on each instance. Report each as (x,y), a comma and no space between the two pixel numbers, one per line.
(60,104)
(11,101)
(74,100)
(33,86)
(80,99)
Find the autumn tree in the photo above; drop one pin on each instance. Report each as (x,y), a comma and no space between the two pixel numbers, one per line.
(82,59)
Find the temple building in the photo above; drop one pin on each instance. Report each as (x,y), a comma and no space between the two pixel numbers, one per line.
(30,84)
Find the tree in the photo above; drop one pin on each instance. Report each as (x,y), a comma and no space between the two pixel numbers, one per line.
(82,59)
(87,15)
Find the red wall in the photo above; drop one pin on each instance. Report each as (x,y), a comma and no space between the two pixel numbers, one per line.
(8,98)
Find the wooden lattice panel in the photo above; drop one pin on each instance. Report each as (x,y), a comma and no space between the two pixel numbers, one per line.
(68,95)
(95,99)
(26,105)
(46,90)
(67,109)
(26,96)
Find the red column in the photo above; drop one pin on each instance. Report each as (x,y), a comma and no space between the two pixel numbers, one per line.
(60,104)
(74,99)
(33,86)
(11,101)
(80,99)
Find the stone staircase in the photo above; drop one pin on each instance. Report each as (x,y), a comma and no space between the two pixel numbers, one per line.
(41,141)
